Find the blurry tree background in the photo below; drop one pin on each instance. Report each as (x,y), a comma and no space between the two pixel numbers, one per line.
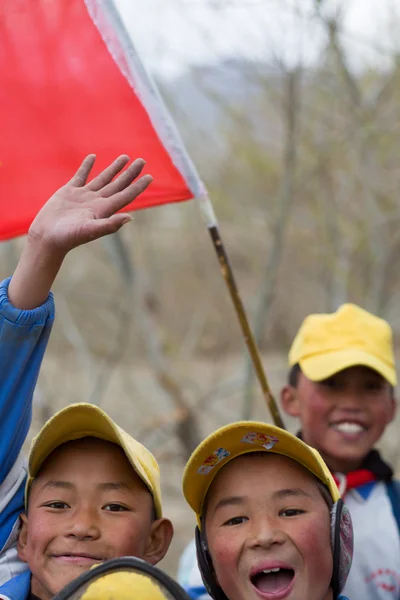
(296,136)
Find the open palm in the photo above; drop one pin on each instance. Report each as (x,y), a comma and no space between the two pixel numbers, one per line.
(80,212)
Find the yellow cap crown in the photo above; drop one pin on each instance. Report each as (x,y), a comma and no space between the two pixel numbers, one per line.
(328,343)
(87,420)
(243,437)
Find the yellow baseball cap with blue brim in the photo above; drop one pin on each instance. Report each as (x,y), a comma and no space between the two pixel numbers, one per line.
(243,437)
(328,343)
(87,420)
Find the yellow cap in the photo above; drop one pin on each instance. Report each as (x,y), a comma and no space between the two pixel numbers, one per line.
(243,437)
(86,420)
(124,585)
(328,343)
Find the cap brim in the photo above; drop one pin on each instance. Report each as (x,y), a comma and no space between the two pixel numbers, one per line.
(240,438)
(318,368)
(75,422)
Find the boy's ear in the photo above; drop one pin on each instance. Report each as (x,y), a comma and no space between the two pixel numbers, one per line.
(160,539)
(289,401)
(22,538)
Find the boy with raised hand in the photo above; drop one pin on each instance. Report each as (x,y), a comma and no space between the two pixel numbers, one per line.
(270,521)
(76,214)
(341,386)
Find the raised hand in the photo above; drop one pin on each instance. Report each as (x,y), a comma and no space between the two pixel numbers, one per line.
(77,213)
(80,212)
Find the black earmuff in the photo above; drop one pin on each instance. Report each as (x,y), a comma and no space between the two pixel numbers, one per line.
(206,567)
(342,545)
(342,549)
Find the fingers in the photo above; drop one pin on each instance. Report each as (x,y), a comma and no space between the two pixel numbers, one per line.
(124,179)
(82,174)
(98,228)
(118,201)
(108,174)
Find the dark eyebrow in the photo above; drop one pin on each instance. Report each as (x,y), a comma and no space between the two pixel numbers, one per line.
(229,501)
(114,486)
(279,494)
(106,486)
(55,483)
(291,492)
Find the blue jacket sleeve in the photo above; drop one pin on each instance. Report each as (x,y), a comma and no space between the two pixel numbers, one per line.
(23,339)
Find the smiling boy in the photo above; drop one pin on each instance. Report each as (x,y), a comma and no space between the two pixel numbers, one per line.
(341,382)
(271,524)
(93,494)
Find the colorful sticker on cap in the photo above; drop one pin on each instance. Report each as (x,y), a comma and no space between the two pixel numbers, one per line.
(257,437)
(213,460)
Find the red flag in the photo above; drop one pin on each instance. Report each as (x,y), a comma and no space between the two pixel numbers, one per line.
(63,96)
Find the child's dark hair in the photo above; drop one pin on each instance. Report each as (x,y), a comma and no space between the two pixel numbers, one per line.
(294,374)
(295,371)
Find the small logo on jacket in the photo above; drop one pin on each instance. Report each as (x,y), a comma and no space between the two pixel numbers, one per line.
(385,579)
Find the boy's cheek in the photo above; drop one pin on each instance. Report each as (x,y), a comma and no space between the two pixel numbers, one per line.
(224,554)
(384,411)
(316,549)
(315,538)
(315,409)
(133,544)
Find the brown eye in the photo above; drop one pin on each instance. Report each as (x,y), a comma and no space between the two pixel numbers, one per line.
(332,383)
(235,521)
(374,386)
(58,505)
(114,507)
(291,512)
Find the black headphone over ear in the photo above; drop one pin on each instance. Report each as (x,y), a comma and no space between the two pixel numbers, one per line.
(206,567)
(342,548)
(342,545)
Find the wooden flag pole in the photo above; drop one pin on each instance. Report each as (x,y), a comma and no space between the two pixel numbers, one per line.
(146,89)
(229,278)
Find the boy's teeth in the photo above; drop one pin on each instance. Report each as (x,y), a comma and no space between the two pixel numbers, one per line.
(349,427)
(271,570)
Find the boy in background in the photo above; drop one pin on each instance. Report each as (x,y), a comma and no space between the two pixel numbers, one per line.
(341,387)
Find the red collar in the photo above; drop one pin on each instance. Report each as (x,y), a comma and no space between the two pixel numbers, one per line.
(353,479)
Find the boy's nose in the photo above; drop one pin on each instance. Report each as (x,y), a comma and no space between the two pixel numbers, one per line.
(265,534)
(84,525)
(351,401)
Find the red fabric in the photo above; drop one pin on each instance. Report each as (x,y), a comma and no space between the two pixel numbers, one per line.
(62,97)
(353,479)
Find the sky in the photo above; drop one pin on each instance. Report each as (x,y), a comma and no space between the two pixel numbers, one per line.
(172,35)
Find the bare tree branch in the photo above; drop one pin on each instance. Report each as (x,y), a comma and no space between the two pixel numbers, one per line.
(266,293)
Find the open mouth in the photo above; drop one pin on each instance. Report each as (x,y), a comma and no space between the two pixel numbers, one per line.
(274,582)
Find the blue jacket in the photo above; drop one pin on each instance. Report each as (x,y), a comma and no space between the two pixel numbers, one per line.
(23,339)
